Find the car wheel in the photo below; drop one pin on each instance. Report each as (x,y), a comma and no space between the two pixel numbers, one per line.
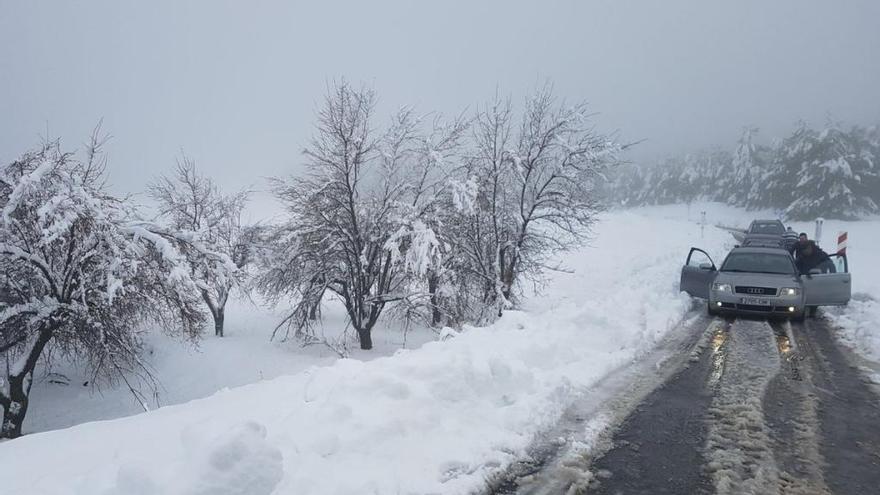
(798,317)
(812,310)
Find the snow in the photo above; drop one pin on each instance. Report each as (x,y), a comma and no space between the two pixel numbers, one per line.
(442,417)
(838,166)
(23,186)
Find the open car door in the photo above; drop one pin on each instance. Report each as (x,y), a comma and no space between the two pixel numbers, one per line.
(830,284)
(697,274)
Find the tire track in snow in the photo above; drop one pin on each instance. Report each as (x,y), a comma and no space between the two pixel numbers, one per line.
(791,408)
(739,449)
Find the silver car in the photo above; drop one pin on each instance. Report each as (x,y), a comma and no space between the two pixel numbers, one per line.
(764,281)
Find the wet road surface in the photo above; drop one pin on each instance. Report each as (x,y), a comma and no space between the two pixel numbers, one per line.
(760,407)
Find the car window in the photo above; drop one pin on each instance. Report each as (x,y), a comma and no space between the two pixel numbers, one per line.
(699,258)
(758,263)
(767,228)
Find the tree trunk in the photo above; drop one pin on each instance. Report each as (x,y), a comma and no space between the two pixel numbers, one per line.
(15,410)
(16,405)
(508,274)
(365,339)
(433,287)
(313,311)
(219,317)
(218,311)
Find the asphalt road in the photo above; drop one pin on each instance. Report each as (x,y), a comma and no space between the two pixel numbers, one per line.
(760,407)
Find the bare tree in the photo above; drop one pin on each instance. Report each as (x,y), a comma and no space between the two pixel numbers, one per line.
(80,275)
(193,206)
(537,190)
(361,221)
(341,214)
(423,222)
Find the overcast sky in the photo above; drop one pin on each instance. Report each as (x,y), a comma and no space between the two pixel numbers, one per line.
(235,84)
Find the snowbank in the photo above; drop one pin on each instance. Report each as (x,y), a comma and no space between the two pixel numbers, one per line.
(245,355)
(437,419)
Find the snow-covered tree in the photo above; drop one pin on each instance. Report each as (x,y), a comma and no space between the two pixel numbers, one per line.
(747,168)
(866,142)
(80,275)
(422,245)
(537,189)
(828,168)
(832,173)
(342,214)
(192,206)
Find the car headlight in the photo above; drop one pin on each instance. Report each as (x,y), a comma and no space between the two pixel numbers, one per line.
(721,287)
(790,291)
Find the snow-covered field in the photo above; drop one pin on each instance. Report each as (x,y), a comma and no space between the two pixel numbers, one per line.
(434,418)
(186,372)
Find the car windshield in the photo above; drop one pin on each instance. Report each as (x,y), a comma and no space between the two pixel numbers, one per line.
(766,228)
(758,263)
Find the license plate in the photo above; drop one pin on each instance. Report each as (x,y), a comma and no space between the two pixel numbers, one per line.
(756,301)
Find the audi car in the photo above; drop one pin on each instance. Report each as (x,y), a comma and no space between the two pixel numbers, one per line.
(764,281)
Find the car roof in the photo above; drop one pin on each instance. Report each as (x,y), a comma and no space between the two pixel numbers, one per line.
(772,220)
(759,250)
(763,240)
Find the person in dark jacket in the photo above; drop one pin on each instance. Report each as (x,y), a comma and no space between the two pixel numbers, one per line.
(801,242)
(808,256)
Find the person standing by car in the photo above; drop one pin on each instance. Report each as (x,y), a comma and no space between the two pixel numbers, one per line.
(801,241)
(808,256)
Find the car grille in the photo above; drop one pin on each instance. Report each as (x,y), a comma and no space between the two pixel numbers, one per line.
(752,307)
(755,291)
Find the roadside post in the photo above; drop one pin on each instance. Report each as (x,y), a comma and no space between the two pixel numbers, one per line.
(818,236)
(841,249)
(702,223)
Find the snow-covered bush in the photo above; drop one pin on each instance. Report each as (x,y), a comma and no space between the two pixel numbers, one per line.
(79,274)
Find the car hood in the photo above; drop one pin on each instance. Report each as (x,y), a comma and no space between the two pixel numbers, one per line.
(758,279)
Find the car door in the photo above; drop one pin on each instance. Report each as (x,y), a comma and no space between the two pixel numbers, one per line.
(831,287)
(697,274)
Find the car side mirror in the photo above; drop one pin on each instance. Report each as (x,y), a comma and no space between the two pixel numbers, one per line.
(707,266)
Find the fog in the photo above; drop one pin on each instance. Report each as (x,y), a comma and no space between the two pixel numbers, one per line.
(235,84)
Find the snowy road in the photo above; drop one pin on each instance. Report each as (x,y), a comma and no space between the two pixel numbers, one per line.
(761,407)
